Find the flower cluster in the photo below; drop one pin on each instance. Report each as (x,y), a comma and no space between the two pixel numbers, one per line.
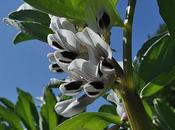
(85,57)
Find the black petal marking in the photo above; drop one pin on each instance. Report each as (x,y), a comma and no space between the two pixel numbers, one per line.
(69,55)
(56,67)
(99,71)
(105,63)
(56,44)
(67,62)
(92,93)
(73,85)
(104,20)
(97,84)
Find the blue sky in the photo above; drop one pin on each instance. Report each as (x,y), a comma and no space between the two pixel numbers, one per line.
(26,65)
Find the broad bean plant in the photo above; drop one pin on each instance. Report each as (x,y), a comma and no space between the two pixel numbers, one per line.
(139,92)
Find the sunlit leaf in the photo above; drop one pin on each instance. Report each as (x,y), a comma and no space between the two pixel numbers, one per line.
(89,121)
(31,16)
(166,8)
(165,113)
(7,103)
(78,9)
(48,114)
(12,119)
(26,110)
(156,58)
(158,83)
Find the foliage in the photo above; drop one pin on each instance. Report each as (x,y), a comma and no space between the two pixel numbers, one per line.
(154,67)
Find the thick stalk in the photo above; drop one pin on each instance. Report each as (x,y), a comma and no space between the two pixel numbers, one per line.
(136,113)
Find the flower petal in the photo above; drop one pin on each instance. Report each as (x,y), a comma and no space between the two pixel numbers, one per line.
(106,67)
(94,89)
(69,39)
(77,106)
(51,57)
(71,88)
(55,42)
(61,23)
(83,68)
(92,39)
(55,68)
(61,106)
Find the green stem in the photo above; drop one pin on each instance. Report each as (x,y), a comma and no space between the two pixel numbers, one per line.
(127,44)
(137,115)
(135,110)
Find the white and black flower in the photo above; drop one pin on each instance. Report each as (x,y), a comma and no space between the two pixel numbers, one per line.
(74,106)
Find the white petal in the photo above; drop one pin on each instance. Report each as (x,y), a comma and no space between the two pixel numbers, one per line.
(106,68)
(56,81)
(114,98)
(60,56)
(65,24)
(55,42)
(61,106)
(120,110)
(92,39)
(55,68)
(77,106)
(93,91)
(61,23)
(71,88)
(83,68)
(63,65)
(86,41)
(69,39)
(51,57)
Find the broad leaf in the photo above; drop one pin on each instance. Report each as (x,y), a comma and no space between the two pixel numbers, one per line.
(31,16)
(48,114)
(26,110)
(158,83)
(148,108)
(166,8)
(108,109)
(78,9)
(32,29)
(12,119)
(7,103)
(21,37)
(89,121)
(155,58)
(165,114)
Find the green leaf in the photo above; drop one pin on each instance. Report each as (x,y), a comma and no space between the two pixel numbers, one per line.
(31,16)
(7,103)
(48,114)
(158,83)
(11,118)
(146,46)
(155,58)
(108,109)
(165,113)
(148,109)
(26,110)
(89,121)
(21,37)
(78,9)
(32,29)
(166,9)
